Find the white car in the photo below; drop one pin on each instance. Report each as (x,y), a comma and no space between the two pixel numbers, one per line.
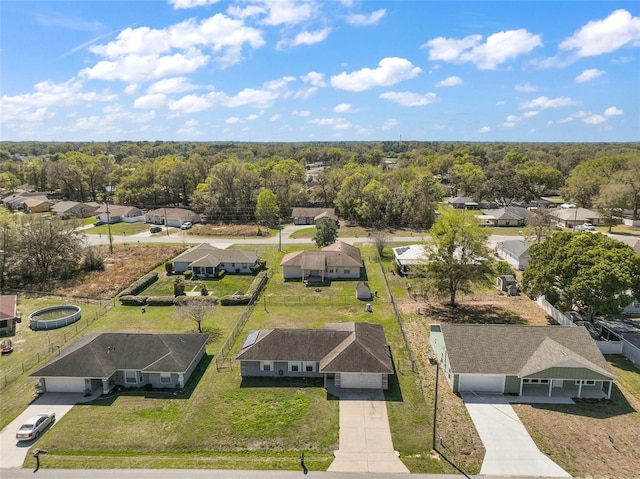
(186,226)
(34,426)
(585,227)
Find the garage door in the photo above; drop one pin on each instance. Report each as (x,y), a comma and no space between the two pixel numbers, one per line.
(64,385)
(361,380)
(481,383)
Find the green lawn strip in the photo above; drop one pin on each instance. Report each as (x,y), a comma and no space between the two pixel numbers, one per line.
(118,229)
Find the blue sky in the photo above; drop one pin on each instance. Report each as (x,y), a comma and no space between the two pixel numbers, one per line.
(330,70)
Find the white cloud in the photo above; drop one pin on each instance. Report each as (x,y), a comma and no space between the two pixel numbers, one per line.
(314,78)
(275,117)
(390,71)
(327,121)
(526,88)
(613,111)
(513,119)
(171,85)
(498,48)
(253,98)
(407,98)
(132,88)
(301,113)
(588,75)
(449,81)
(594,119)
(390,123)
(194,103)
(364,20)
(178,4)
(484,129)
(343,126)
(304,93)
(542,102)
(154,100)
(604,36)
(306,38)
(342,108)
(252,117)
(286,12)
(190,128)
(233,120)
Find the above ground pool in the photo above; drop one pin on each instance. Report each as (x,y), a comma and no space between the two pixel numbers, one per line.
(54,317)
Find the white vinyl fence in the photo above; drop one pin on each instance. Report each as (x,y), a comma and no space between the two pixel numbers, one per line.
(610,347)
(557,316)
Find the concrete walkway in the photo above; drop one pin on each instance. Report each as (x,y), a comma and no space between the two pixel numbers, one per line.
(365,437)
(510,451)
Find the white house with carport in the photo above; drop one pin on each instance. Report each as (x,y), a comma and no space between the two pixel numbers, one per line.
(521,360)
(353,355)
(205,260)
(408,256)
(130,360)
(175,217)
(514,252)
(119,213)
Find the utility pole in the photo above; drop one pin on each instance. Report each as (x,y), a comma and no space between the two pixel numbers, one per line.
(435,407)
(166,224)
(109,228)
(279,233)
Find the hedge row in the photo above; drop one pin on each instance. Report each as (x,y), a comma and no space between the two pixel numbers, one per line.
(131,300)
(141,284)
(240,300)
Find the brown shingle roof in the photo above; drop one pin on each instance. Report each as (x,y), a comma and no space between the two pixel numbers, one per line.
(520,350)
(338,254)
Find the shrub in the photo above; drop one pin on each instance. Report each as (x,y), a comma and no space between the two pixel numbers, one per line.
(188,274)
(141,284)
(503,268)
(259,231)
(160,300)
(185,300)
(256,268)
(131,300)
(93,260)
(220,274)
(203,290)
(178,286)
(168,267)
(235,300)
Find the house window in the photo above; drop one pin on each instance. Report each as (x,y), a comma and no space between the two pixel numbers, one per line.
(165,378)
(309,367)
(347,271)
(586,382)
(330,270)
(131,377)
(535,381)
(266,365)
(233,265)
(294,366)
(4,323)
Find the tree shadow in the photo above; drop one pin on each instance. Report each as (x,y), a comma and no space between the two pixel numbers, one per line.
(277,382)
(473,314)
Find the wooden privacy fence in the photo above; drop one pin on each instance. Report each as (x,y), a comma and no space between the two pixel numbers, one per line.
(226,347)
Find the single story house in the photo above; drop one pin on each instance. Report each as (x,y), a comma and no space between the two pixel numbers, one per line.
(408,256)
(354,355)
(9,314)
(521,360)
(205,260)
(509,216)
(312,216)
(37,204)
(464,203)
(73,208)
(339,260)
(572,217)
(130,360)
(514,252)
(632,309)
(118,213)
(171,216)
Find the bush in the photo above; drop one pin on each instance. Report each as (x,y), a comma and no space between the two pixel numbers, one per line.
(203,290)
(131,300)
(259,231)
(93,260)
(141,284)
(188,274)
(160,300)
(220,274)
(256,268)
(178,286)
(185,300)
(503,268)
(168,267)
(235,300)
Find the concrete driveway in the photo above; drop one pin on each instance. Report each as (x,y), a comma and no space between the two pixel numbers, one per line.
(365,438)
(510,451)
(12,452)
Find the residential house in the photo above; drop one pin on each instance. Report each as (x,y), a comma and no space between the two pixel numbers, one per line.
(572,217)
(521,360)
(463,203)
(36,204)
(509,216)
(408,256)
(354,355)
(312,216)
(73,208)
(9,314)
(337,261)
(118,213)
(514,252)
(205,260)
(171,216)
(129,360)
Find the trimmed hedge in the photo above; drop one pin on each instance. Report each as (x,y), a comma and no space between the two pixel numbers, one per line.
(160,300)
(131,300)
(141,284)
(184,300)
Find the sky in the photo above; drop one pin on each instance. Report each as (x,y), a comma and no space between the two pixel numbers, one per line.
(320,70)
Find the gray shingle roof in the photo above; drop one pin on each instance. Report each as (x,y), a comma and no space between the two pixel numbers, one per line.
(99,355)
(206,254)
(520,350)
(339,254)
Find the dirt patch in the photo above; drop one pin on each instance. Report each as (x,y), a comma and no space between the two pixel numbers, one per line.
(230,230)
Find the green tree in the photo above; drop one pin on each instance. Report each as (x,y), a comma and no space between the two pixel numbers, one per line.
(456,255)
(610,202)
(505,185)
(467,177)
(267,208)
(326,233)
(373,204)
(585,180)
(591,271)
(422,197)
(542,177)
(539,225)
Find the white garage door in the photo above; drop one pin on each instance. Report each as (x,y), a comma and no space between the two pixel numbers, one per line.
(481,383)
(64,385)
(361,380)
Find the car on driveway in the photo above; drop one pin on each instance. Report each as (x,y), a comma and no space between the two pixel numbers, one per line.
(155,229)
(187,225)
(34,426)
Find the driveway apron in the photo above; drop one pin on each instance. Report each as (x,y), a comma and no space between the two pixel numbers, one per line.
(365,437)
(510,451)
(12,452)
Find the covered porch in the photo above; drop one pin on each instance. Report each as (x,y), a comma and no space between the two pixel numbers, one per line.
(578,388)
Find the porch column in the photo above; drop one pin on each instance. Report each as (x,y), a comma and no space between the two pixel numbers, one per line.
(105,386)
(181,380)
(521,383)
(609,392)
(580,388)
(550,386)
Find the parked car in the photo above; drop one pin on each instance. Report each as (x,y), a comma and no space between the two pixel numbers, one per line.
(186,225)
(155,229)
(98,223)
(34,426)
(585,227)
